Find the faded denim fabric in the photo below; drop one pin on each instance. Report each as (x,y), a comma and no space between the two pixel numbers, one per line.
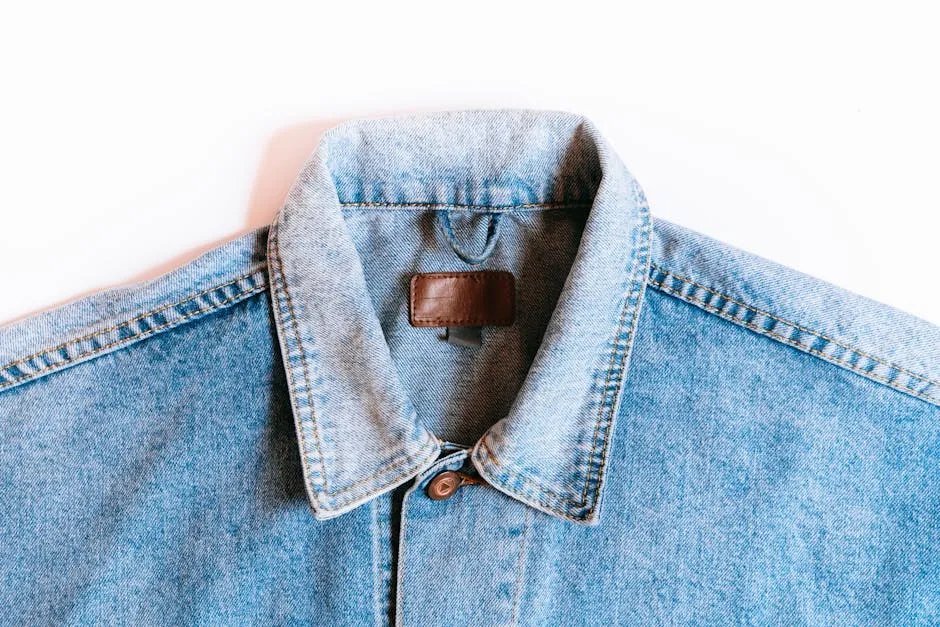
(673,431)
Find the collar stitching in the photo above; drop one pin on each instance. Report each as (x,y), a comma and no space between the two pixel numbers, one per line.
(404,461)
(429,443)
(584,498)
(526,496)
(640,250)
(443,205)
(279,282)
(410,471)
(631,335)
(509,469)
(625,336)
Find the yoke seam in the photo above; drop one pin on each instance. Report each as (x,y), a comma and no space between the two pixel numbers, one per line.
(127,340)
(692,299)
(161,309)
(796,326)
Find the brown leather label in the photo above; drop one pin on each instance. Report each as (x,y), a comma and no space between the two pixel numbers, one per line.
(463,299)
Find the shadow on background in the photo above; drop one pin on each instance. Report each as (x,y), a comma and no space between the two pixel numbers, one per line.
(286,153)
(285,156)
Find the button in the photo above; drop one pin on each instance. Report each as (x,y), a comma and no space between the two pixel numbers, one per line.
(444,485)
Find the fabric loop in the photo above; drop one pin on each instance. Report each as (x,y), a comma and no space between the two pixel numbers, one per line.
(492,236)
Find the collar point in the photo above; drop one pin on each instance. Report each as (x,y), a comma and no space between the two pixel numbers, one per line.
(531,491)
(333,504)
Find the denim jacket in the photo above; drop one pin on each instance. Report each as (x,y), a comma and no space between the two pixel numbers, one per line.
(667,430)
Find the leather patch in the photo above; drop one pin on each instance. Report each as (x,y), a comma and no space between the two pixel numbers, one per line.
(463,299)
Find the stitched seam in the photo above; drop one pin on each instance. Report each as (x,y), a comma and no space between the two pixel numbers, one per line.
(550,506)
(473,322)
(683,279)
(303,361)
(791,342)
(520,567)
(537,205)
(500,275)
(600,410)
(515,474)
(386,468)
(429,443)
(402,564)
(643,247)
(377,565)
(629,344)
(126,322)
(288,371)
(584,500)
(136,336)
(626,307)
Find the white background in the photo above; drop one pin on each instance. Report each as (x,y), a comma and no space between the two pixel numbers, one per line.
(135,136)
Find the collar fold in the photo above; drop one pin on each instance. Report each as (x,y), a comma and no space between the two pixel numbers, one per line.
(358,432)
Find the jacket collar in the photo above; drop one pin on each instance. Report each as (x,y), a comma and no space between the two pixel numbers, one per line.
(358,432)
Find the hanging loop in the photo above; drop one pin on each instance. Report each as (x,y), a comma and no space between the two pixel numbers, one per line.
(492,235)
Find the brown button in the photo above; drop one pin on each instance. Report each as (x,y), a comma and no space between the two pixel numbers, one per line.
(444,485)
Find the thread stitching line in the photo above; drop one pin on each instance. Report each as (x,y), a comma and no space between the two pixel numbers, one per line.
(429,444)
(520,567)
(537,205)
(623,364)
(387,467)
(289,373)
(392,465)
(136,336)
(126,322)
(523,495)
(628,338)
(888,364)
(636,288)
(534,483)
(303,361)
(788,341)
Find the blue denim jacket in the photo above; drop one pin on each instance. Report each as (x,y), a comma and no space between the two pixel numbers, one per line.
(672,431)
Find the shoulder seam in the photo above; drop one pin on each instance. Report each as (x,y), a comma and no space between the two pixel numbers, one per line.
(795,335)
(152,322)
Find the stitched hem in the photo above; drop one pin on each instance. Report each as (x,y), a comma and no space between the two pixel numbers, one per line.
(794,335)
(137,328)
